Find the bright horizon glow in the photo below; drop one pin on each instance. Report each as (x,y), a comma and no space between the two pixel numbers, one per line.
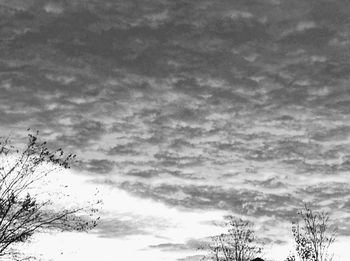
(175,226)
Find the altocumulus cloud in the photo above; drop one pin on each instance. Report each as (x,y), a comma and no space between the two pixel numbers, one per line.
(210,105)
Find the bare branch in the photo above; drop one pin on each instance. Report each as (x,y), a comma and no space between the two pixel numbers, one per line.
(238,244)
(313,236)
(22,214)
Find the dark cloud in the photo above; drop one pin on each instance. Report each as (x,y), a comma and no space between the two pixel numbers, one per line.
(170,247)
(173,159)
(193,258)
(182,94)
(340,133)
(82,132)
(342,226)
(115,228)
(252,202)
(333,13)
(144,173)
(123,150)
(192,244)
(272,183)
(239,30)
(96,166)
(331,190)
(312,36)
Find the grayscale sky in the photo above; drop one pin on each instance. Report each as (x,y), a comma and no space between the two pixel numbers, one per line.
(183,111)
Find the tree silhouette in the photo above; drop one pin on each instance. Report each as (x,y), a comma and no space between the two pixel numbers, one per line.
(22,213)
(313,236)
(238,244)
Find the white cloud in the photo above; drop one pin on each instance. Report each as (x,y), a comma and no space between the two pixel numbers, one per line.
(54,7)
(305,25)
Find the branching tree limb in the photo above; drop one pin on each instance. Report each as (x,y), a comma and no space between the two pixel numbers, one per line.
(22,213)
(238,244)
(313,235)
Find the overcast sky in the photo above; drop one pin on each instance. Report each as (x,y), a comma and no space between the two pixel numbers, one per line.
(183,111)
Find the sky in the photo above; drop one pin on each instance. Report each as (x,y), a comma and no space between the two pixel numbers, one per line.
(182,112)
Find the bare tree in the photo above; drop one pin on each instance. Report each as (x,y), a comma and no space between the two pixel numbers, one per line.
(313,235)
(22,213)
(238,244)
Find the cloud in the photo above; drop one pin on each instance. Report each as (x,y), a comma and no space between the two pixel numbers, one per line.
(192,258)
(330,12)
(310,36)
(240,201)
(323,191)
(144,173)
(115,228)
(54,7)
(96,166)
(305,25)
(231,105)
(192,244)
(170,247)
(339,133)
(123,150)
(239,32)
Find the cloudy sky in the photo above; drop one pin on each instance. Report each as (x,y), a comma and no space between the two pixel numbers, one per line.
(182,112)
